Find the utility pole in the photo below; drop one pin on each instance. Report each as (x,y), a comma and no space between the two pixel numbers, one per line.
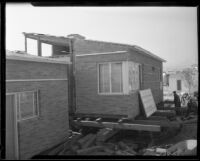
(73,77)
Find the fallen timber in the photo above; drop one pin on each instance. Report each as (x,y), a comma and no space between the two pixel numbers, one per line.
(119,125)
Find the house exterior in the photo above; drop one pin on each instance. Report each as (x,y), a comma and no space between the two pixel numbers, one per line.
(110,75)
(105,77)
(176,81)
(36,104)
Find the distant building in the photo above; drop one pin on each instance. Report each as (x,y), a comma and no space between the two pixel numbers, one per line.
(176,81)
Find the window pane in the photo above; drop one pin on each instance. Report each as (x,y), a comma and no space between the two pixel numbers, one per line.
(104,78)
(32,47)
(134,80)
(116,77)
(46,49)
(26,104)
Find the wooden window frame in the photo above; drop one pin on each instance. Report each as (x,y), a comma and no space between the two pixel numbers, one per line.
(110,91)
(34,106)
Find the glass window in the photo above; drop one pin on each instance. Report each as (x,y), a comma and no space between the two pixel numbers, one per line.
(110,78)
(116,77)
(104,78)
(27,105)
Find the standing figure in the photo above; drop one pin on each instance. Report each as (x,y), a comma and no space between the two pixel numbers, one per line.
(177,101)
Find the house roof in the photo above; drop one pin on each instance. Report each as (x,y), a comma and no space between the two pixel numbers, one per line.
(64,40)
(11,55)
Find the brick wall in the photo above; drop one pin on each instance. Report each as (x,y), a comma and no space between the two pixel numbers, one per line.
(151,73)
(87,46)
(88,99)
(51,127)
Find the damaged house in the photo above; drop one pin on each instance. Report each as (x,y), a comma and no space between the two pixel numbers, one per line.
(105,77)
(36,104)
(84,77)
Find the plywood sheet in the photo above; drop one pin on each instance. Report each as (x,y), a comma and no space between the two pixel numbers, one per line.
(148,102)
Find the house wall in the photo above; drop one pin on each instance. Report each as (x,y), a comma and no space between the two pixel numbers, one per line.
(88,46)
(51,127)
(151,78)
(88,100)
(173,84)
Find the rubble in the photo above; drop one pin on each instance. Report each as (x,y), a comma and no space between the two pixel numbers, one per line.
(107,141)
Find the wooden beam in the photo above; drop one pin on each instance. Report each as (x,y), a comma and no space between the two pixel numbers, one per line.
(127,126)
(162,123)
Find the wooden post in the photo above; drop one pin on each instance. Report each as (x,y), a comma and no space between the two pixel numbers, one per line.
(25,38)
(39,47)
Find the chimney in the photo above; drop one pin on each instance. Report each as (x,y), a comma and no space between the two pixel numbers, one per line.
(76,36)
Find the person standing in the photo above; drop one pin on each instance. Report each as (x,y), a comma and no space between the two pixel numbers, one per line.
(177,101)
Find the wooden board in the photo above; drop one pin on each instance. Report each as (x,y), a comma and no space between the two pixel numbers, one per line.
(148,102)
(127,126)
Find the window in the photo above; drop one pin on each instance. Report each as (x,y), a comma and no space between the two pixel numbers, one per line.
(178,85)
(27,105)
(46,49)
(118,77)
(32,47)
(110,78)
(134,77)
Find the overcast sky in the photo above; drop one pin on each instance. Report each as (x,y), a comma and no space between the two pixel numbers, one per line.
(168,32)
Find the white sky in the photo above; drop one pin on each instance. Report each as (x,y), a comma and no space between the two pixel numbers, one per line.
(169,32)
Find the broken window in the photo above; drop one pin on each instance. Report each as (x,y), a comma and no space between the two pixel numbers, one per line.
(27,105)
(46,49)
(134,76)
(32,46)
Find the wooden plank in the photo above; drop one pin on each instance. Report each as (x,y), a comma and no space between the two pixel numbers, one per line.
(89,150)
(85,139)
(166,113)
(105,134)
(149,105)
(127,126)
(96,115)
(162,123)
(89,142)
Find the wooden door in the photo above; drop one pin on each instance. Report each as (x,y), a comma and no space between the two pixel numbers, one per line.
(11,127)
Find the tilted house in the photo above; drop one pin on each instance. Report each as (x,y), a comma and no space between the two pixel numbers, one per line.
(106,77)
(36,104)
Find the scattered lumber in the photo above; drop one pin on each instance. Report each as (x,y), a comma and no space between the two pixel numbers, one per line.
(89,142)
(84,139)
(126,148)
(105,133)
(89,150)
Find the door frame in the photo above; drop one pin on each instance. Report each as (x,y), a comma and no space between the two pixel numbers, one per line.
(15,124)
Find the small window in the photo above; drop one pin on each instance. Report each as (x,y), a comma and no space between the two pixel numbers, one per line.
(27,105)
(178,85)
